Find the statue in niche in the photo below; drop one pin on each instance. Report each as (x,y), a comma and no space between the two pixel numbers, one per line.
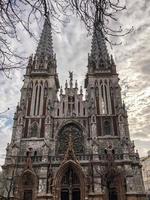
(45,91)
(34,130)
(28,179)
(92,106)
(50,106)
(93,129)
(107,127)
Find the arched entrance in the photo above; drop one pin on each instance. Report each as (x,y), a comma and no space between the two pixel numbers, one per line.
(115,186)
(69,182)
(112,190)
(70,185)
(26,186)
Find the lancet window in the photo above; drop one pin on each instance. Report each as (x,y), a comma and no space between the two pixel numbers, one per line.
(103,98)
(39,93)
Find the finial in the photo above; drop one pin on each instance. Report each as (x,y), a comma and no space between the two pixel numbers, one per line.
(123,105)
(112,60)
(66,84)
(30,60)
(81,91)
(71,79)
(61,90)
(76,84)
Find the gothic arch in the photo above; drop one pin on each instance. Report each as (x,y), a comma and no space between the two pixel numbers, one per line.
(115,184)
(61,172)
(72,122)
(27,185)
(34,129)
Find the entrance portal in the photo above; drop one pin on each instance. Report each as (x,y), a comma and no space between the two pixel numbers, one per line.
(113,194)
(27,195)
(70,186)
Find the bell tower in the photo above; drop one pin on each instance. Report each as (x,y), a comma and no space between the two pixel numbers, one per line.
(32,129)
(39,91)
(104,92)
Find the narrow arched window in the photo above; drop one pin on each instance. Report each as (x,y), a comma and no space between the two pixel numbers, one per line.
(34,130)
(103,102)
(78,107)
(58,112)
(107,127)
(97,100)
(35,102)
(46,89)
(83,111)
(63,107)
(39,100)
(106,98)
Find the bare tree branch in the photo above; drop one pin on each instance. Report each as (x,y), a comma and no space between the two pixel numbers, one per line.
(101,13)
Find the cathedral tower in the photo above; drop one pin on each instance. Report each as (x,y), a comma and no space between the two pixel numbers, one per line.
(72,148)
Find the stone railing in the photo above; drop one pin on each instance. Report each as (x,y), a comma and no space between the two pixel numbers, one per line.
(35,159)
(39,71)
(59,158)
(86,157)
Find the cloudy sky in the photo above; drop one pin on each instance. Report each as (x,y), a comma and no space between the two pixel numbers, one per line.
(72,46)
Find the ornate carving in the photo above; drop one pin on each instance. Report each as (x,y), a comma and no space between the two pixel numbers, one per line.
(70,154)
(77,137)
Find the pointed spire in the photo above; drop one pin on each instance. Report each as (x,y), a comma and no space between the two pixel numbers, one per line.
(99,57)
(29,66)
(81,91)
(61,90)
(76,84)
(113,64)
(45,46)
(66,85)
(71,79)
(99,48)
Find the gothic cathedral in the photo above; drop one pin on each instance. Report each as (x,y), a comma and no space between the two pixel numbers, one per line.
(72,148)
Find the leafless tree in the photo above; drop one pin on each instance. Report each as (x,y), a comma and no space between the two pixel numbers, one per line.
(6,185)
(23,12)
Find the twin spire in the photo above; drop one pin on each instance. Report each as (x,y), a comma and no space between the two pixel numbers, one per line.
(44,61)
(98,60)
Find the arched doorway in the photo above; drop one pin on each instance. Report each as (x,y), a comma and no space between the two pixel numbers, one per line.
(115,186)
(26,186)
(112,190)
(69,182)
(70,185)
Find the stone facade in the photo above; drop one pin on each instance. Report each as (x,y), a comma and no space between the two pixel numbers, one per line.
(72,148)
(146,173)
